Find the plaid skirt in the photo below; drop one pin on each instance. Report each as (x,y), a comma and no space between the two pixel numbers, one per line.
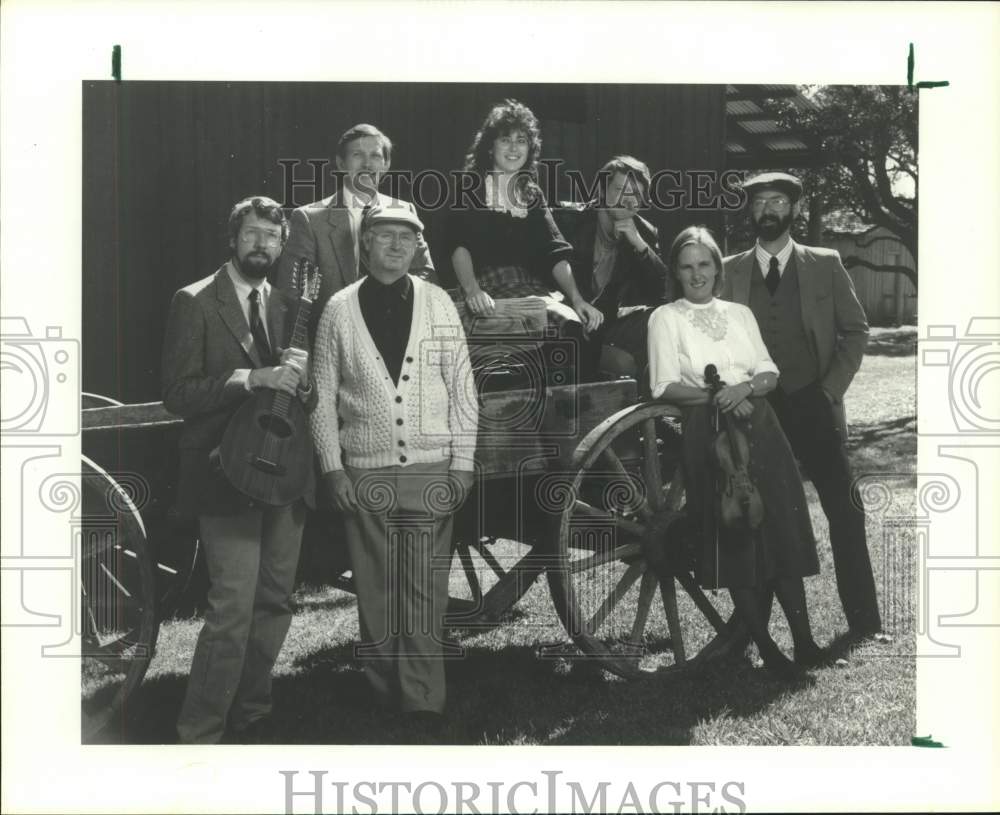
(509,282)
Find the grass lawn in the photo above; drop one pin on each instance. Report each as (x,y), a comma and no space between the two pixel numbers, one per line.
(501,692)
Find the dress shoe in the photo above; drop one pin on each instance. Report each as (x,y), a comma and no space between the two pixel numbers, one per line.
(259,731)
(816,657)
(868,634)
(423,726)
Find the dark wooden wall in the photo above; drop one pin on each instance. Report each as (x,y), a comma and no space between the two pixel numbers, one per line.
(163,162)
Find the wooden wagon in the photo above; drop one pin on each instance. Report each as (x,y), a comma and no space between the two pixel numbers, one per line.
(585,478)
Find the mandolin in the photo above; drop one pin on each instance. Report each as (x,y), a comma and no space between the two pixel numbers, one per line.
(267,449)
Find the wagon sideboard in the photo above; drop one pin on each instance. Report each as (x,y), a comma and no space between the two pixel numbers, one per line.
(520,431)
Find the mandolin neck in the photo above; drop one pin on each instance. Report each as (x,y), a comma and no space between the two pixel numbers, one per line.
(300,339)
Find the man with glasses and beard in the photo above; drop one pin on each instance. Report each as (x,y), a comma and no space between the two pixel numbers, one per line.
(222,343)
(816,332)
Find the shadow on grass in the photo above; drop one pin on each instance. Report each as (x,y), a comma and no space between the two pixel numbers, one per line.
(892,342)
(505,696)
(891,431)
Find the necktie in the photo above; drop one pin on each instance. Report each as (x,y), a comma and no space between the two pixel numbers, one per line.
(362,255)
(773,278)
(257,327)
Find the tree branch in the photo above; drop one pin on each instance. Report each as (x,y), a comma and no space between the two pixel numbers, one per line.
(884,185)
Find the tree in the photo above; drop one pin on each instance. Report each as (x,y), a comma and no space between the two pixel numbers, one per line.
(869,134)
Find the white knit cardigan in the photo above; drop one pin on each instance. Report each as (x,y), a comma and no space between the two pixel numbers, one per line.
(433,413)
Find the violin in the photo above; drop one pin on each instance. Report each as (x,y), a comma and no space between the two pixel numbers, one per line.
(740,502)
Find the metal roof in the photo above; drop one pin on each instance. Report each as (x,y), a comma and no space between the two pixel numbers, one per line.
(755,140)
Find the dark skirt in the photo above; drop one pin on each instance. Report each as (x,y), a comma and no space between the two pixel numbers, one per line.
(784,544)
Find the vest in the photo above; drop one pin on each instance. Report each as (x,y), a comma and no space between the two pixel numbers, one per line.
(780,320)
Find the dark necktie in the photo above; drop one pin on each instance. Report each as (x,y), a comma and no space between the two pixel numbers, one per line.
(362,254)
(773,278)
(257,327)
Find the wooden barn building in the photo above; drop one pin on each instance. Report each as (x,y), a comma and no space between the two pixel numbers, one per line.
(888,298)
(165,161)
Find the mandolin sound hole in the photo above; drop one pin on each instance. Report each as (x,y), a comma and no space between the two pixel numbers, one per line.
(274,425)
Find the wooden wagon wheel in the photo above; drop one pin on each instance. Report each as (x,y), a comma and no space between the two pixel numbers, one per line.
(117,591)
(626,492)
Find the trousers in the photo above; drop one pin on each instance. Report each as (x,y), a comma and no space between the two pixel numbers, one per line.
(400,545)
(251,558)
(807,418)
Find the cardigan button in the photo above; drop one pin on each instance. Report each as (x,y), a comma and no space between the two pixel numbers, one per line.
(409,359)
(402,459)
(399,399)
(399,421)
(406,377)
(402,443)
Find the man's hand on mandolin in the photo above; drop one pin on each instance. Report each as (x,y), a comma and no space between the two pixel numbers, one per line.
(299,360)
(279,378)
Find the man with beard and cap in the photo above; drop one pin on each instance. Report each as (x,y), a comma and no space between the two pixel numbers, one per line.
(222,344)
(816,332)
(328,232)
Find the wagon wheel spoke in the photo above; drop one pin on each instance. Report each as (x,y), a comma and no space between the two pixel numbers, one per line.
(491,561)
(616,466)
(626,525)
(470,572)
(700,600)
(647,590)
(625,553)
(668,594)
(651,465)
(632,574)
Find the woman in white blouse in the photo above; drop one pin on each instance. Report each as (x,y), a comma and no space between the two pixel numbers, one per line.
(685,336)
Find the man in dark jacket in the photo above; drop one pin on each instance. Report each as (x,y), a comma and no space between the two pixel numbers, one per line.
(616,261)
(815,331)
(223,341)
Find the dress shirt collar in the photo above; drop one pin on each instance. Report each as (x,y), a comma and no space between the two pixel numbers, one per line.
(764,257)
(243,288)
(355,202)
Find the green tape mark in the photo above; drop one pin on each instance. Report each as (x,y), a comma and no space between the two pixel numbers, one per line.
(910,62)
(924,741)
(116,62)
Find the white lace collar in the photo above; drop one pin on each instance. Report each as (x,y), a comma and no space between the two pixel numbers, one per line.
(497,198)
(709,319)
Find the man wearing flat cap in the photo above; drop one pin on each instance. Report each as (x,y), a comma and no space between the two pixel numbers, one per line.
(395,431)
(816,332)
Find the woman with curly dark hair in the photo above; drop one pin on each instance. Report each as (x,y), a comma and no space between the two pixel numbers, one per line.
(506,245)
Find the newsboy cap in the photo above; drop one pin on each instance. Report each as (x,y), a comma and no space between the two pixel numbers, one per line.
(395,213)
(786,182)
